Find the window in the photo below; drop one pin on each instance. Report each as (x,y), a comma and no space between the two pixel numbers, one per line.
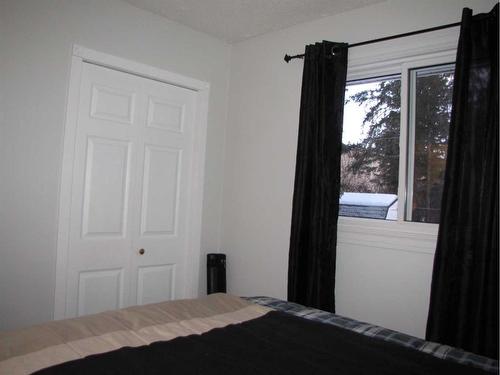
(430,110)
(370,157)
(380,176)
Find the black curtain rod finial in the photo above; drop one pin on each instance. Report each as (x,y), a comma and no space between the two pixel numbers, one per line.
(287,57)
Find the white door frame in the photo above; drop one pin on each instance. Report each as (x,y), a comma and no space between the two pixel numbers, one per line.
(195,195)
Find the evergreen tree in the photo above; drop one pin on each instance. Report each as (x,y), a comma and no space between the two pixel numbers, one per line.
(377,155)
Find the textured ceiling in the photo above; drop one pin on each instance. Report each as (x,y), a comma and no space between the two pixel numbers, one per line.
(237,20)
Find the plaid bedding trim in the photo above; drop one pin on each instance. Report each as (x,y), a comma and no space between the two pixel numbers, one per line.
(432,348)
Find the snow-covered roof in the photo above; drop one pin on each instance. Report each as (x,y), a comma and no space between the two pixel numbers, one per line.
(368,199)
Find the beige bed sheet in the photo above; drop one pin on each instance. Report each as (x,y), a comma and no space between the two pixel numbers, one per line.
(27,350)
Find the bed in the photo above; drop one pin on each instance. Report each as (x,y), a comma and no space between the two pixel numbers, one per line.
(224,334)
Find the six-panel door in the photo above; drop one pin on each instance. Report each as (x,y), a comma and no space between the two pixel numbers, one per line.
(129,193)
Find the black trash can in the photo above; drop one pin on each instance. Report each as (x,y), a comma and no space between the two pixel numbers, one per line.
(216,273)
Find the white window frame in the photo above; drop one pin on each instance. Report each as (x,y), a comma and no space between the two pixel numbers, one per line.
(384,59)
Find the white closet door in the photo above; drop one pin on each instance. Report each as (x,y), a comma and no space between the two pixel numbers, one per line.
(164,163)
(133,152)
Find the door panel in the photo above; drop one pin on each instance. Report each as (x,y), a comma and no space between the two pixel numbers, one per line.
(131,178)
(165,115)
(150,277)
(106,187)
(160,197)
(112,104)
(99,291)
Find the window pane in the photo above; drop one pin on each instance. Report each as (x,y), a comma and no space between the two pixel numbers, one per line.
(433,96)
(370,156)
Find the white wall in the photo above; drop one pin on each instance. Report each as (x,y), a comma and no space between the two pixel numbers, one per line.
(36,38)
(383,275)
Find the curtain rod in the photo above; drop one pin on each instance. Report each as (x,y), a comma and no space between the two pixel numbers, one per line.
(288,57)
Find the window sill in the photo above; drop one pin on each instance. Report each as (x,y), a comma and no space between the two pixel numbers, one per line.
(393,235)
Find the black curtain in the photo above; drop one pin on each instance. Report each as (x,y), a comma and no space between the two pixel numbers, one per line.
(313,238)
(463,309)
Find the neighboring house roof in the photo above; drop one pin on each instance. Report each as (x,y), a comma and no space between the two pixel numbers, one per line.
(367,205)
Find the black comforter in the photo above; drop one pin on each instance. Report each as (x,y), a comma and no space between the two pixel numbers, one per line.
(276,343)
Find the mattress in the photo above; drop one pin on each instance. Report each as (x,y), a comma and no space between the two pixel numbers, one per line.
(432,348)
(59,346)
(26,350)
